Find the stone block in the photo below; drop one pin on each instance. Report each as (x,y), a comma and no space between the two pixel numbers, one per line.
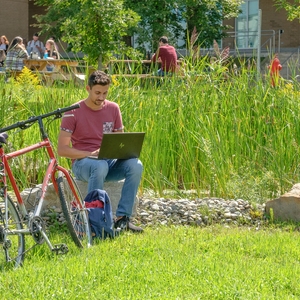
(30,197)
(113,189)
(287,206)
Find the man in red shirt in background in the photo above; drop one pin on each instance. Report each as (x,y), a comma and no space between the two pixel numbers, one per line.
(166,55)
(275,67)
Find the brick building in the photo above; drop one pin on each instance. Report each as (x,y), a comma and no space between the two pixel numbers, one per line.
(275,28)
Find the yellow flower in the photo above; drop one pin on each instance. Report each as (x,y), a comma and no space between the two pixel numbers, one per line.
(114,80)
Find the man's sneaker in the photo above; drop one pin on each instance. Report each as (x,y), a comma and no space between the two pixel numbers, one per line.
(124,224)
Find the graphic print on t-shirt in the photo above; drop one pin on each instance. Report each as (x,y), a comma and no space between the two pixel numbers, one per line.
(108,126)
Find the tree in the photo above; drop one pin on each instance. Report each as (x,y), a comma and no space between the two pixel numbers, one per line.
(168,17)
(207,16)
(95,27)
(293,9)
(158,18)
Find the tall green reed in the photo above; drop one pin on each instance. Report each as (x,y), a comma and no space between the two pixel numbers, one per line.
(225,136)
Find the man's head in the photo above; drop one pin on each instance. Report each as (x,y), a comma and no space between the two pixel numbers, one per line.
(98,85)
(36,36)
(98,77)
(163,40)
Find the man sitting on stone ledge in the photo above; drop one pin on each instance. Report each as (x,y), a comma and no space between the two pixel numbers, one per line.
(81,134)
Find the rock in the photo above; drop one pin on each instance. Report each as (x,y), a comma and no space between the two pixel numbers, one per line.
(113,189)
(31,195)
(287,206)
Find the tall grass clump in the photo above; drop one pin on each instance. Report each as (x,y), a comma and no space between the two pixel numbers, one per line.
(214,131)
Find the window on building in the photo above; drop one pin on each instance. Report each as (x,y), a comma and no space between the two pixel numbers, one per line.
(247,25)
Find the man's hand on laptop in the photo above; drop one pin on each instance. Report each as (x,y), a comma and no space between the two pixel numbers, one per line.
(94,153)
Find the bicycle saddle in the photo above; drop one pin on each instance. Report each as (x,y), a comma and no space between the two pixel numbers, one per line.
(3,137)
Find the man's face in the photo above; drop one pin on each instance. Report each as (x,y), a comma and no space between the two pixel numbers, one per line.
(35,38)
(97,95)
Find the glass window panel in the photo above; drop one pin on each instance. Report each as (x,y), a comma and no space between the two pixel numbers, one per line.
(247,25)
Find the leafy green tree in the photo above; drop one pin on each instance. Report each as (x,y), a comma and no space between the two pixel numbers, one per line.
(168,17)
(94,27)
(292,9)
(207,16)
(158,18)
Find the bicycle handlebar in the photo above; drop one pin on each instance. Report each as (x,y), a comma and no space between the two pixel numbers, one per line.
(58,113)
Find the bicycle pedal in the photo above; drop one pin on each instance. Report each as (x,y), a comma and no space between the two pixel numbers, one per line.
(60,249)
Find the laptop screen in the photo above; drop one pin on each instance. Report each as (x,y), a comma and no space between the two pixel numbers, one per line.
(121,145)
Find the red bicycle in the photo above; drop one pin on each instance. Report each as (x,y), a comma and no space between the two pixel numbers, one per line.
(16,221)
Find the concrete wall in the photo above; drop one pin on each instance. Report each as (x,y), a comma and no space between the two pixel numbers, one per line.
(14,18)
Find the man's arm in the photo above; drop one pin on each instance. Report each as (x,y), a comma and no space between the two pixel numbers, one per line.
(65,150)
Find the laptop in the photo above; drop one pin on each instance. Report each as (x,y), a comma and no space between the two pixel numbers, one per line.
(121,145)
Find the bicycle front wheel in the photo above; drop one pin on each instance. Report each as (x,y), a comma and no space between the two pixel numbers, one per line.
(12,244)
(75,212)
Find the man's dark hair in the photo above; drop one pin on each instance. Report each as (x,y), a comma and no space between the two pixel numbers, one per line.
(164,39)
(98,77)
(36,34)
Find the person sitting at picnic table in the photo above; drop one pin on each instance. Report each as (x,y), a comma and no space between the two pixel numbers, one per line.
(166,55)
(52,53)
(16,53)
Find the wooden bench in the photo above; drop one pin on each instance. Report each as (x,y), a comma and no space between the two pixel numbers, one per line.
(46,77)
(147,79)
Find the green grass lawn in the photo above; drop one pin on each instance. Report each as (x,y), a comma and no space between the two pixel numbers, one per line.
(166,263)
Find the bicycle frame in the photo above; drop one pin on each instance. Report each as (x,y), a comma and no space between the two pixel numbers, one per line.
(35,222)
(49,175)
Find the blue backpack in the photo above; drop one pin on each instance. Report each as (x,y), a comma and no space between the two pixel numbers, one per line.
(99,209)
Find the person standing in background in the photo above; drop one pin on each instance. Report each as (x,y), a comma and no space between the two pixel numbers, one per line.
(166,55)
(4,43)
(35,45)
(275,68)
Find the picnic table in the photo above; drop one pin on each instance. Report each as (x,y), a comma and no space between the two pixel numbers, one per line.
(63,69)
(41,64)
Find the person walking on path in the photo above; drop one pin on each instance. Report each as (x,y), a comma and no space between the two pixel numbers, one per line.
(81,134)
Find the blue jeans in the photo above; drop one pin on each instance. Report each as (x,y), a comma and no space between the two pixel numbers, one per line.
(95,172)
(161,72)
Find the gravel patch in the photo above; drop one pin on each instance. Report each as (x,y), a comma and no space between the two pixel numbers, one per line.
(153,211)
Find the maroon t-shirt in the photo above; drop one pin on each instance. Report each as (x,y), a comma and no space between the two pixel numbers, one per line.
(168,58)
(87,125)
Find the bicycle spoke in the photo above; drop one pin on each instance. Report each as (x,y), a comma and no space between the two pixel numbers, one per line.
(75,212)
(12,245)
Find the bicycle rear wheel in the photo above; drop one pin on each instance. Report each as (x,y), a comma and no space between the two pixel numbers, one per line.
(12,245)
(75,214)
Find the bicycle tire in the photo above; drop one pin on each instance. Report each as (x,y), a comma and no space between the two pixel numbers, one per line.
(12,245)
(76,218)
